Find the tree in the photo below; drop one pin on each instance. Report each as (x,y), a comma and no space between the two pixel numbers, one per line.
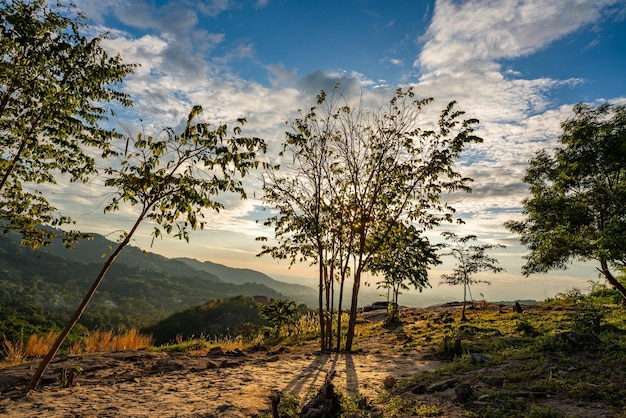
(54,83)
(577,204)
(172,178)
(403,260)
(379,168)
(280,312)
(471,259)
(298,197)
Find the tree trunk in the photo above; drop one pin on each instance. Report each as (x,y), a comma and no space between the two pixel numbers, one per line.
(321,305)
(330,311)
(463,317)
(396,315)
(339,307)
(34,381)
(353,309)
(612,280)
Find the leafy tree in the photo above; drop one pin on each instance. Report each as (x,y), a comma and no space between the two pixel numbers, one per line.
(372,169)
(577,204)
(471,259)
(172,178)
(404,259)
(280,312)
(299,192)
(54,82)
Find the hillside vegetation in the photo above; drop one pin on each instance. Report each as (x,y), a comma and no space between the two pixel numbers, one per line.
(40,288)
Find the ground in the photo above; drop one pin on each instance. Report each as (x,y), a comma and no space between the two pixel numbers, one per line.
(240,384)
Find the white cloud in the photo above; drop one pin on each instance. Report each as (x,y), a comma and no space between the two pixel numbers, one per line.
(478,32)
(459,61)
(461,57)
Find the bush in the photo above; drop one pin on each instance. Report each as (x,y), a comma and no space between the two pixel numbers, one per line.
(588,319)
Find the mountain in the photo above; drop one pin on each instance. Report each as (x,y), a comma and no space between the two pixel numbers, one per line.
(39,289)
(91,251)
(297,292)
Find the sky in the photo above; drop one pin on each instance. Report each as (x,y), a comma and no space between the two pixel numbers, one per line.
(518,66)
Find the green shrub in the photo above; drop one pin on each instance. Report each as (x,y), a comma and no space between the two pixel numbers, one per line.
(588,319)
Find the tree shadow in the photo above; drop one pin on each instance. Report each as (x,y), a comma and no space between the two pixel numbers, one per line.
(309,374)
(352,380)
(323,367)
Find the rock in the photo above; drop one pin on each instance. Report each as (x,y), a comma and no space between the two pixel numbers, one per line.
(463,392)
(272,359)
(226,363)
(164,366)
(442,385)
(390,382)
(215,352)
(479,358)
(212,365)
(235,353)
(496,381)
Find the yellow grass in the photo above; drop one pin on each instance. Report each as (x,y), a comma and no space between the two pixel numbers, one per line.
(103,341)
(38,346)
(15,352)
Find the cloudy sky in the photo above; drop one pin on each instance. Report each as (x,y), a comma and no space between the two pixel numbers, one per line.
(517,65)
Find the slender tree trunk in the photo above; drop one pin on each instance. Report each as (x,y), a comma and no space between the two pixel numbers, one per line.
(394,308)
(327,312)
(45,362)
(339,307)
(617,285)
(463,317)
(321,305)
(353,309)
(330,312)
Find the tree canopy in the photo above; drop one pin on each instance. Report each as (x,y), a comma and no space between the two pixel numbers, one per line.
(577,204)
(54,85)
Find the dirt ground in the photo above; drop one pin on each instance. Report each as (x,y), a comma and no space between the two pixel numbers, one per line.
(238,384)
(147,384)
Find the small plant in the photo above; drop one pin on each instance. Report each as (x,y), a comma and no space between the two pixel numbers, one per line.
(572,296)
(524,326)
(14,352)
(451,347)
(542,412)
(588,319)
(280,313)
(69,375)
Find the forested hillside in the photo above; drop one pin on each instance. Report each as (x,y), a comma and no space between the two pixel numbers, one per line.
(39,289)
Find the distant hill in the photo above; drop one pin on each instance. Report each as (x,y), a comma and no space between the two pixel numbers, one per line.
(39,289)
(297,292)
(91,251)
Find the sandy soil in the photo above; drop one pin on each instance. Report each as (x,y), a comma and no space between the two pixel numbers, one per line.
(145,384)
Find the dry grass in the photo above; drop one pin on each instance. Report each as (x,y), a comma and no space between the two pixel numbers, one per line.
(104,341)
(15,352)
(38,346)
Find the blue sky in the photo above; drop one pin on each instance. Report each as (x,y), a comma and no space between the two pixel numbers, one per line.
(518,66)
